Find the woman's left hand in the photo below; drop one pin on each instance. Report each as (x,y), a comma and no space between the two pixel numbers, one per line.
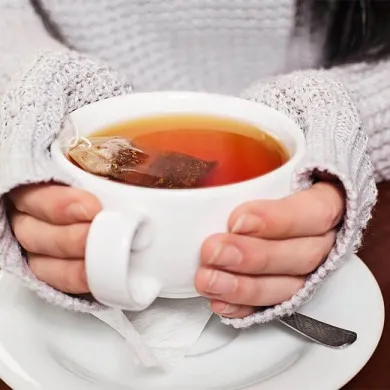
(271,247)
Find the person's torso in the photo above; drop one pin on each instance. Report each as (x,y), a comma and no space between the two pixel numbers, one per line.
(212,45)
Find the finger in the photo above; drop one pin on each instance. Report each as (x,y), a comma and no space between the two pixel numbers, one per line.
(244,289)
(55,203)
(64,275)
(37,236)
(231,311)
(250,255)
(309,212)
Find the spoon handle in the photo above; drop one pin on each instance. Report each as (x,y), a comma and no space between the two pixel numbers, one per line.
(319,332)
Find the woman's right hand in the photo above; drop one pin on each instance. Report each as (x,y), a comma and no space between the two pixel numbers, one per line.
(51,222)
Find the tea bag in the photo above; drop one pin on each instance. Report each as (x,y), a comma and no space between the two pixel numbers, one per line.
(118,158)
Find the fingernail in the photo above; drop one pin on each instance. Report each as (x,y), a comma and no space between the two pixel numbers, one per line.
(228,309)
(247,223)
(221,283)
(78,212)
(226,255)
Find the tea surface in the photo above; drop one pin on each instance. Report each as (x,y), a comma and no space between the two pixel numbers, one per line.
(241,151)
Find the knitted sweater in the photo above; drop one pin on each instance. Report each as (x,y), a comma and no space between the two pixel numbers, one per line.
(57,56)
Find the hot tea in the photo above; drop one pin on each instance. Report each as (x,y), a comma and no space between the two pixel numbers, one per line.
(180,151)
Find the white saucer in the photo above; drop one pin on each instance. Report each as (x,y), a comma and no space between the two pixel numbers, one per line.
(43,347)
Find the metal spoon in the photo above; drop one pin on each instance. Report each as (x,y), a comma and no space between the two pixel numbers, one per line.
(319,332)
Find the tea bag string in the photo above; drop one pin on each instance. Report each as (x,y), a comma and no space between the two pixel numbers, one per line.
(77,139)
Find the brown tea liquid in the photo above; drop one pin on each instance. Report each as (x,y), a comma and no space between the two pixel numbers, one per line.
(241,150)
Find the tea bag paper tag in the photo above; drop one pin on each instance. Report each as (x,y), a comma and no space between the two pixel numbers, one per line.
(162,335)
(117,320)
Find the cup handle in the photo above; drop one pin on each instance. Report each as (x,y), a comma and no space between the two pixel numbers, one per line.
(110,275)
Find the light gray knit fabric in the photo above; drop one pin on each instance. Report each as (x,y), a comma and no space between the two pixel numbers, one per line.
(210,45)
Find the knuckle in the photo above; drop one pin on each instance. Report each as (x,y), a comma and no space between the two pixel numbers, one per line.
(56,208)
(260,263)
(249,292)
(277,217)
(318,252)
(21,225)
(74,240)
(329,214)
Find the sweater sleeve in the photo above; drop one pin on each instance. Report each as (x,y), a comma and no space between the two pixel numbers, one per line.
(41,81)
(345,115)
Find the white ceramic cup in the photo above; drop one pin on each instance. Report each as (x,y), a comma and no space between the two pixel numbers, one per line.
(146,242)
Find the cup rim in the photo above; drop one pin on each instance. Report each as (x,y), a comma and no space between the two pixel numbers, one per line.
(296,132)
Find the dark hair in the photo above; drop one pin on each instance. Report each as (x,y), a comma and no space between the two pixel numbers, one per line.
(356,30)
